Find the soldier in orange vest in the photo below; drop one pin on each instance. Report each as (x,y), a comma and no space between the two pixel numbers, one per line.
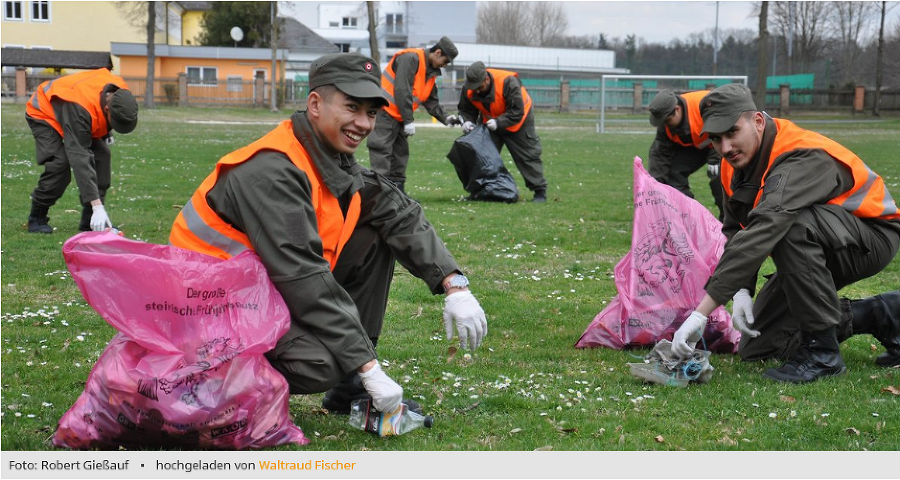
(329,232)
(408,79)
(499,100)
(680,148)
(824,218)
(72,119)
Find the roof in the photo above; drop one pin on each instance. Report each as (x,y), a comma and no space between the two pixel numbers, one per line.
(196,6)
(21,57)
(297,36)
(179,51)
(538,58)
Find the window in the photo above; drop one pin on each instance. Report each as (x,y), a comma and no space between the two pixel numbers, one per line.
(393,23)
(345,47)
(235,84)
(12,11)
(334,24)
(40,11)
(202,76)
(348,22)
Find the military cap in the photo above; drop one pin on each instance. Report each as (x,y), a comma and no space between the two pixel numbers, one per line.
(662,105)
(352,73)
(721,108)
(475,74)
(123,111)
(446,45)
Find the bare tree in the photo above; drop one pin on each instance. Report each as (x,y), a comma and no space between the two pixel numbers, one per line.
(274,15)
(373,31)
(850,21)
(879,67)
(151,55)
(503,23)
(763,61)
(807,23)
(548,23)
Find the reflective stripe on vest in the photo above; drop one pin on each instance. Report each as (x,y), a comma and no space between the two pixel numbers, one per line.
(199,228)
(421,88)
(82,88)
(498,106)
(692,105)
(868,198)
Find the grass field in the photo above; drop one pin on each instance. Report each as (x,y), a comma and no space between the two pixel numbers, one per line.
(541,272)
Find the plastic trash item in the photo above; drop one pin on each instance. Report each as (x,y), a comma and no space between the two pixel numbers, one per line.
(186,369)
(365,417)
(662,367)
(675,246)
(480,168)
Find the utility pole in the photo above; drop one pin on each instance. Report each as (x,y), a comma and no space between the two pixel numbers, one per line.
(274,75)
(790,40)
(716,42)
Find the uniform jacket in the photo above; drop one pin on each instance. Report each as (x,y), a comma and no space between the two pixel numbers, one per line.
(268,199)
(686,134)
(409,81)
(507,101)
(794,170)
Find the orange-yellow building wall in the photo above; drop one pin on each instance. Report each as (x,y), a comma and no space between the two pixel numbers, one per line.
(165,67)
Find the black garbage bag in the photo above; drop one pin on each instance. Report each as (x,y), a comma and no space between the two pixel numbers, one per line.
(480,168)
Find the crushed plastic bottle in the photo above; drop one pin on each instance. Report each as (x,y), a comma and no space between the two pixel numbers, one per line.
(365,417)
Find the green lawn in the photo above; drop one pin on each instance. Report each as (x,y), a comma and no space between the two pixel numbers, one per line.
(541,272)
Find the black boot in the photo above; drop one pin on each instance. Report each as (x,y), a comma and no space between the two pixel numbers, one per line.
(339,397)
(86,213)
(879,316)
(37,220)
(540,196)
(819,356)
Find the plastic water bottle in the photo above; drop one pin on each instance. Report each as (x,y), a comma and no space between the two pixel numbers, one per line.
(365,417)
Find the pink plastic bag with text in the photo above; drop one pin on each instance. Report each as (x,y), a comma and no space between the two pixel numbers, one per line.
(675,245)
(187,368)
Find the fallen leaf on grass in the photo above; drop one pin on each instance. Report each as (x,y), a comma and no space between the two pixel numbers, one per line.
(470,407)
(787,399)
(545,448)
(515,430)
(451,353)
(892,390)
(568,430)
(726,440)
(852,431)
(659,439)
(873,347)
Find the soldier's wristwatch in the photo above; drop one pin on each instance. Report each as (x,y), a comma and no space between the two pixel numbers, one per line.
(459,281)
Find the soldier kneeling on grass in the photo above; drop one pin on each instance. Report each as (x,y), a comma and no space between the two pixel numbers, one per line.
(827,221)
(328,231)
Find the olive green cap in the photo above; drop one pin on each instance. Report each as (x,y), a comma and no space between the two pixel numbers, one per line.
(475,75)
(722,107)
(123,111)
(448,47)
(662,105)
(352,73)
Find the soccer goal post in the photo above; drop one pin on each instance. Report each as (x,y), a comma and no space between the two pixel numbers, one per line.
(631,94)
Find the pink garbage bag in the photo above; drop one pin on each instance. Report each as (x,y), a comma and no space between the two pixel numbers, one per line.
(187,368)
(675,246)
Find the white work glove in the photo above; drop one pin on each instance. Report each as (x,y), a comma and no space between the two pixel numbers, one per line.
(386,393)
(99,220)
(742,313)
(468,126)
(463,309)
(688,335)
(409,129)
(452,120)
(712,170)
(492,124)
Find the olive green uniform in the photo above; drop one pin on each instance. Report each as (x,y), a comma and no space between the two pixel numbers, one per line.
(524,145)
(817,248)
(335,315)
(388,146)
(673,164)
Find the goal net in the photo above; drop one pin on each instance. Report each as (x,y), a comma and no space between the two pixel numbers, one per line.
(624,99)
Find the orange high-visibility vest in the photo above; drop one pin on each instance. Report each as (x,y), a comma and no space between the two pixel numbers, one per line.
(82,88)
(868,198)
(199,228)
(692,110)
(498,106)
(421,87)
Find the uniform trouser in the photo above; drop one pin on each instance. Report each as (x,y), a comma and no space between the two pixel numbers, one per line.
(364,269)
(524,146)
(686,161)
(826,249)
(57,175)
(388,148)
